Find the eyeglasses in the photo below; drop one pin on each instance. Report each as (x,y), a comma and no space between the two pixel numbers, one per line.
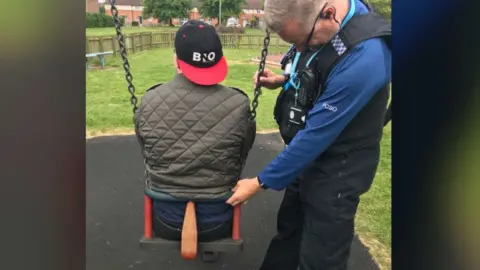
(319,16)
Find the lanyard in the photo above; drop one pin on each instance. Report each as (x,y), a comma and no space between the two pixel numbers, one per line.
(350,14)
(294,81)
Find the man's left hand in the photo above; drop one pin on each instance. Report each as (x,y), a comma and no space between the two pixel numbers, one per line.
(244,189)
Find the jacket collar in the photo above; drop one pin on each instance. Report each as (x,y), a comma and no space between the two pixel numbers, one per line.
(181,79)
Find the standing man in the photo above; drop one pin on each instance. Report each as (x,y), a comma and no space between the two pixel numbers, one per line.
(330,113)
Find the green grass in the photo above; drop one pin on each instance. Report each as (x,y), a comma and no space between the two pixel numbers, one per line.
(107,31)
(373,222)
(108,105)
(108,108)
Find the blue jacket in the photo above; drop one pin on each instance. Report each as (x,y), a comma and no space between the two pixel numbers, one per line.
(349,87)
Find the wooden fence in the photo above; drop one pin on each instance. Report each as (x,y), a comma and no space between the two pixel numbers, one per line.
(144,41)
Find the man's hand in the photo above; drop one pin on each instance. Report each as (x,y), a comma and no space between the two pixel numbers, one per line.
(244,189)
(269,79)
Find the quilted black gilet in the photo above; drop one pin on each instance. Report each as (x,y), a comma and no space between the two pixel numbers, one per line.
(194,138)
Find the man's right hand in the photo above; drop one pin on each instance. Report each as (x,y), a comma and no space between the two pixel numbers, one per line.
(269,79)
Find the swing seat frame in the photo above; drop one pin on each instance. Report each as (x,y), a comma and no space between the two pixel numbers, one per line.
(150,242)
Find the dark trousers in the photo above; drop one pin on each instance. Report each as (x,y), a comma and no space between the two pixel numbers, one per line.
(206,233)
(315,224)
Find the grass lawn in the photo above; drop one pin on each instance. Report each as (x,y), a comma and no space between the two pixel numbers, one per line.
(374,218)
(108,108)
(108,105)
(108,31)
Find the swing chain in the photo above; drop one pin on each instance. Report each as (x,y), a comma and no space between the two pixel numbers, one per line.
(123,53)
(258,87)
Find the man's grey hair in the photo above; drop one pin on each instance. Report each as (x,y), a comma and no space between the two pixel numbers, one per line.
(277,12)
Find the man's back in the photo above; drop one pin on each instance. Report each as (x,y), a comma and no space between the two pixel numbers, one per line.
(195,135)
(195,138)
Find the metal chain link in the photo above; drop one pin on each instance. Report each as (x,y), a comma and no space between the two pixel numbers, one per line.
(123,53)
(126,67)
(258,87)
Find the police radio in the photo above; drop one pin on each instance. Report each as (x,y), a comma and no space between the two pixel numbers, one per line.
(303,98)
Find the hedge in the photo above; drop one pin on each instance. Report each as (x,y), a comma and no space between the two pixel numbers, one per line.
(97,20)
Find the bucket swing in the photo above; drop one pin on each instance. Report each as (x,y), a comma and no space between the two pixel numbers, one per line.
(189,244)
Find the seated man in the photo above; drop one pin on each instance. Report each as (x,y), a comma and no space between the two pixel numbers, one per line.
(195,136)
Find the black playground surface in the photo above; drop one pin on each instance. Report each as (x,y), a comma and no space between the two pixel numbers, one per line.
(115,213)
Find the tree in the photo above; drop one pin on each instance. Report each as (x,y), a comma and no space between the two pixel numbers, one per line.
(382,7)
(230,8)
(166,10)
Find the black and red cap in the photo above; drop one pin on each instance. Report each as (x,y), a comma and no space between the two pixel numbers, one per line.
(199,53)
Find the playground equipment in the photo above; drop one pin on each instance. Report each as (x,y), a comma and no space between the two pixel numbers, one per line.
(189,244)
